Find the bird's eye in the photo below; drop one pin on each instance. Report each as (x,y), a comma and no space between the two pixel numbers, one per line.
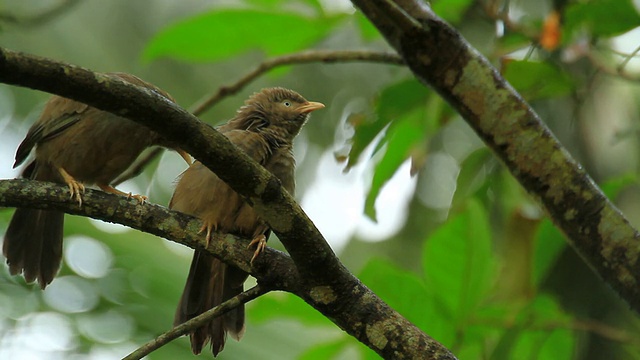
(286,103)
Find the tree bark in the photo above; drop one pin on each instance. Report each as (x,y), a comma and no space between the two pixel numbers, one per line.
(443,60)
(323,282)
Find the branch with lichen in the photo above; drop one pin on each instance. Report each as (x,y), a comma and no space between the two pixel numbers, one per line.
(441,58)
(328,286)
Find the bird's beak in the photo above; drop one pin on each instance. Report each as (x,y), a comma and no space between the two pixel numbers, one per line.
(183,154)
(310,106)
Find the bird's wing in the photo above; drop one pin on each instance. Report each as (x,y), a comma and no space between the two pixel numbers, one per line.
(58,115)
(251,143)
(198,188)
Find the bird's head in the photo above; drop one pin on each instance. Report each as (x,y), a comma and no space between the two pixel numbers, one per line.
(279,111)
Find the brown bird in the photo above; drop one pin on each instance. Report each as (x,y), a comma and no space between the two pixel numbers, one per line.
(75,144)
(264,129)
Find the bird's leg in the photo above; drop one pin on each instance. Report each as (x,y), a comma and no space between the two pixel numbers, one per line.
(75,187)
(185,155)
(110,189)
(210,227)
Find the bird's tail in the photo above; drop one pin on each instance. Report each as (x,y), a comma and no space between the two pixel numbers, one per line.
(33,241)
(33,244)
(210,283)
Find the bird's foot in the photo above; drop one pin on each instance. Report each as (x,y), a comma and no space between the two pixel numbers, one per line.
(141,198)
(110,189)
(260,242)
(76,188)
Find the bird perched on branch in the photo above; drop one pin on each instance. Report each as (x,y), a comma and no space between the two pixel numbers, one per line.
(264,128)
(75,144)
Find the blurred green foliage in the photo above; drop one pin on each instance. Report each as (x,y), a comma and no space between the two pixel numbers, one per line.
(601,17)
(535,80)
(234,32)
(488,276)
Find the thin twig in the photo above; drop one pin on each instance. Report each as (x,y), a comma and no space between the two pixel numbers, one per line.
(501,13)
(137,168)
(327,56)
(606,69)
(39,19)
(196,322)
(628,58)
(603,330)
(305,57)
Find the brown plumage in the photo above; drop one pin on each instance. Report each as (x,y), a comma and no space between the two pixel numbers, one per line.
(75,144)
(264,129)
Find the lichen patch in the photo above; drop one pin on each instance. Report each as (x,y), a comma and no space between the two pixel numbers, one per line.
(323,294)
(376,334)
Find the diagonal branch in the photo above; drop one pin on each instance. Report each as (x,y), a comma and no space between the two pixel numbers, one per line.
(329,287)
(442,59)
(196,322)
(306,245)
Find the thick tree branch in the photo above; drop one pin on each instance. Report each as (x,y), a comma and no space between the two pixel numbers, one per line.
(442,59)
(329,287)
(153,219)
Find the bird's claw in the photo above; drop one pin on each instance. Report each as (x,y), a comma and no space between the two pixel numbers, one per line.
(141,198)
(76,189)
(261,243)
(110,189)
(208,228)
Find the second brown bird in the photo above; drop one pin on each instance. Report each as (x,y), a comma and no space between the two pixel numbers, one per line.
(264,128)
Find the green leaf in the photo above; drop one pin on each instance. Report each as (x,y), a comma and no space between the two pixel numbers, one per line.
(505,345)
(324,351)
(412,116)
(394,101)
(222,33)
(367,30)
(540,331)
(399,288)
(601,17)
(612,187)
(404,136)
(556,344)
(536,80)
(403,290)
(548,245)
(458,262)
(512,41)
(279,305)
(537,341)
(451,10)
(473,174)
